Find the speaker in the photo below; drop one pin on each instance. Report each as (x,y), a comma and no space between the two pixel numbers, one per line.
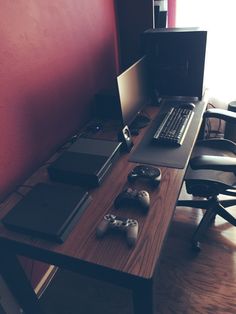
(125,137)
(133,18)
(160,13)
(176,60)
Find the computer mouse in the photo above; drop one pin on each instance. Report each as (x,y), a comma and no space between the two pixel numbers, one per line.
(188,105)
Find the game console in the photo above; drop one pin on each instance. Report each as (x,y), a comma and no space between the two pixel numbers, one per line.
(112,222)
(48,211)
(86,162)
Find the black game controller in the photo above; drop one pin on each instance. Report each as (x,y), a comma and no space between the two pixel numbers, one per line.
(112,222)
(130,197)
(153,174)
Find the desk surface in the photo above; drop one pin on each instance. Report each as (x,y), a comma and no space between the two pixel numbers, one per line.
(111,254)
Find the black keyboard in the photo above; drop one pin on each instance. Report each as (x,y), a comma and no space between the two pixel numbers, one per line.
(174,126)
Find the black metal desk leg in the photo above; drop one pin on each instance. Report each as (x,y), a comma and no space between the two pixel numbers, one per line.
(143,298)
(18,283)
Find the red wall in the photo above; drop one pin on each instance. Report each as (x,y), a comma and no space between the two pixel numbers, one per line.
(171,13)
(55,55)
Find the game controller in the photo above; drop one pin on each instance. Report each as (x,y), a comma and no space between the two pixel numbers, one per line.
(153,174)
(112,222)
(130,197)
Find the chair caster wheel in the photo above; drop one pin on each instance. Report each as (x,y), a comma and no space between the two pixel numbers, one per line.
(212,221)
(196,247)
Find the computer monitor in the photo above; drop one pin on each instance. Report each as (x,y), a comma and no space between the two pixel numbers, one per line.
(176,60)
(133,92)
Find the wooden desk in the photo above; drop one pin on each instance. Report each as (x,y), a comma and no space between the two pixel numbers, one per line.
(108,259)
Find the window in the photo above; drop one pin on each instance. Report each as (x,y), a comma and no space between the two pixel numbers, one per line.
(218,18)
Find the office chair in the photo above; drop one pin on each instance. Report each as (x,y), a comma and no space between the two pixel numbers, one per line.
(211,172)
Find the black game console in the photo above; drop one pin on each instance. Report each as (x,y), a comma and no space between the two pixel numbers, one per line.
(48,211)
(86,162)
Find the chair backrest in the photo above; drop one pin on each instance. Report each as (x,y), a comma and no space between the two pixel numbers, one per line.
(230,128)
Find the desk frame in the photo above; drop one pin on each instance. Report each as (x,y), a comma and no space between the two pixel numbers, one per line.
(134,268)
(143,300)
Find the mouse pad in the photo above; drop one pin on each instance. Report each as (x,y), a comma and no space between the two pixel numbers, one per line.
(149,152)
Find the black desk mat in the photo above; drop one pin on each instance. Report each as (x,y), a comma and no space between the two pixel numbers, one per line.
(155,154)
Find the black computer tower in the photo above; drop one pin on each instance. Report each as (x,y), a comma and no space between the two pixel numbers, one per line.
(176,60)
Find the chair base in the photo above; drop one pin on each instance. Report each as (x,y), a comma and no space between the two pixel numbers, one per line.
(213,207)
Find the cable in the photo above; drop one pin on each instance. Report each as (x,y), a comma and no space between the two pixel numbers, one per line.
(22,195)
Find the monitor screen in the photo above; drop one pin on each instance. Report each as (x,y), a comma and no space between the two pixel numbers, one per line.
(133,91)
(176,59)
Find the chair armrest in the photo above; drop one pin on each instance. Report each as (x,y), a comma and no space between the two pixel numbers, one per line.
(219,163)
(226,115)
(218,144)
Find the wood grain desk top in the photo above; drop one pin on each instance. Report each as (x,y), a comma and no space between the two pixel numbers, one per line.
(111,252)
